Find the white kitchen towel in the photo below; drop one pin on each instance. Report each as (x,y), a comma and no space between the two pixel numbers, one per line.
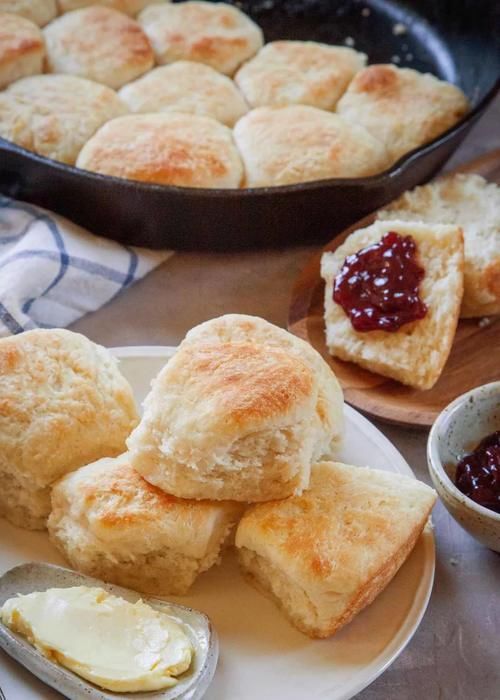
(52,271)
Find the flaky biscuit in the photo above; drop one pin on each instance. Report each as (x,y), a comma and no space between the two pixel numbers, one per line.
(240,328)
(472,203)
(54,115)
(298,72)
(186,86)
(21,48)
(229,420)
(64,403)
(285,145)
(416,353)
(112,524)
(170,149)
(98,43)
(325,555)
(214,33)
(401,107)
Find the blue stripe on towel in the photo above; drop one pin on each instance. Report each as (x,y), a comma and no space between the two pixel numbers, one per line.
(9,321)
(63,259)
(132,267)
(80,263)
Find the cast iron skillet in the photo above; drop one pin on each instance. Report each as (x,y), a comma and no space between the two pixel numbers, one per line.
(458,40)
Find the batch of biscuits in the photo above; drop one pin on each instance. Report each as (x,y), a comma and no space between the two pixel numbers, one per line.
(188,94)
(236,446)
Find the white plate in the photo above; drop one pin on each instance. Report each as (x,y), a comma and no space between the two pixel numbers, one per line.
(261,655)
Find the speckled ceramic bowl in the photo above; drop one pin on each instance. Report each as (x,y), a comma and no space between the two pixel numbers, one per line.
(457,431)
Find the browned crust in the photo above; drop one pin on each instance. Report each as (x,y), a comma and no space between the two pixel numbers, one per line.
(363,597)
(18,38)
(249,381)
(378,79)
(379,581)
(492,278)
(95,28)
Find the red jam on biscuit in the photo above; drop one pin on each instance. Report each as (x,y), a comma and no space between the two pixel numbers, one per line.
(378,287)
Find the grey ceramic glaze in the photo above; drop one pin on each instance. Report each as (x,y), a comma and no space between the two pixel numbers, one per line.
(27,578)
(456,431)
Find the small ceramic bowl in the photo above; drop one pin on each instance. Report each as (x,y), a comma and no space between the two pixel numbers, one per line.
(456,432)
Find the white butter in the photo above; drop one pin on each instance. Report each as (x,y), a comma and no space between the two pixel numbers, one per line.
(117,645)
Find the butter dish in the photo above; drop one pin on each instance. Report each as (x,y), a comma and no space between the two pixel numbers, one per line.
(31,577)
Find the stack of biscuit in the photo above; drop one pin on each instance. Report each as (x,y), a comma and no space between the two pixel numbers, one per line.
(187,94)
(235,432)
(455,224)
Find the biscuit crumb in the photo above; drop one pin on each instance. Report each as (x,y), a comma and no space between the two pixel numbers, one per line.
(396,59)
(366,12)
(399,28)
(484,322)
(409,57)
(349,41)
(453,561)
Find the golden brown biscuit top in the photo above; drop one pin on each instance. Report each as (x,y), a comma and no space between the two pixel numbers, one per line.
(167,148)
(110,501)
(119,496)
(303,72)
(338,530)
(18,37)
(244,382)
(129,7)
(402,107)
(59,395)
(377,79)
(215,33)
(94,27)
(298,143)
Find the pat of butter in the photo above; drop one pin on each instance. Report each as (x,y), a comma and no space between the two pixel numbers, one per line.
(117,645)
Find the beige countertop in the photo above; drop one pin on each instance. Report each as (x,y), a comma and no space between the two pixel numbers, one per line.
(455,653)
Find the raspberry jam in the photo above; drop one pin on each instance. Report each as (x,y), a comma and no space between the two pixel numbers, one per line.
(478,474)
(378,287)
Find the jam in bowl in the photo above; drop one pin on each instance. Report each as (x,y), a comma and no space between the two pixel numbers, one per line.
(462,452)
(478,474)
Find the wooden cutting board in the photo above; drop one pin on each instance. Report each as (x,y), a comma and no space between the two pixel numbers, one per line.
(474,358)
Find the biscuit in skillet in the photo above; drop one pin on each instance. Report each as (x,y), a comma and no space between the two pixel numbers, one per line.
(286,145)
(21,48)
(54,115)
(168,148)
(298,72)
(186,86)
(214,33)
(129,7)
(98,43)
(401,107)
